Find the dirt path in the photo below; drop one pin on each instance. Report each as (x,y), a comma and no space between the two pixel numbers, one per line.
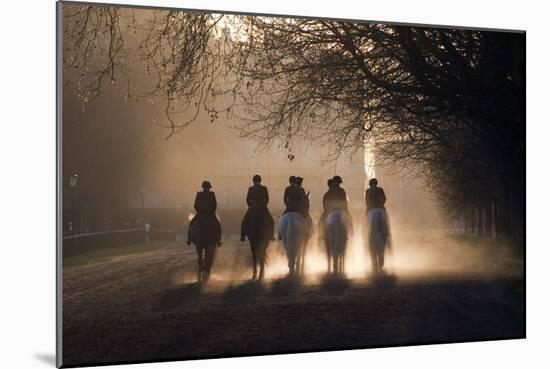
(145,306)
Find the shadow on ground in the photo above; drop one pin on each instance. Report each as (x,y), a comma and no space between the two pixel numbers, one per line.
(173,298)
(243,293)
(384,280)
(286,286)
(335,284)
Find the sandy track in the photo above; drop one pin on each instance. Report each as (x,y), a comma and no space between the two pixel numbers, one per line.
(145,306)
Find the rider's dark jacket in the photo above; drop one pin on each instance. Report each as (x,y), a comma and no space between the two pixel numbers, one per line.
(335,199)
(294,199)
(257,197)
(205,203)
(375,198)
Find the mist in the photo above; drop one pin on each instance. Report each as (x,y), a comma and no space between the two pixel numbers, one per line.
(131,170)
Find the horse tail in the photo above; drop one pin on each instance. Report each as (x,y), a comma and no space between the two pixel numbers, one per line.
(336,232)
(292,232)
(378,228)
(332,235)
(290,237)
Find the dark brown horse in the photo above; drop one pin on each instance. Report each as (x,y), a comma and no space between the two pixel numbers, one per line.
(259,233)
(205,235)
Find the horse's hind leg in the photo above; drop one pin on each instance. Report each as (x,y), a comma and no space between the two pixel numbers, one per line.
(291,269)
(261,260)
(374,260)
(299,262)
(303,259)
(344,261)
(328,260)
(291,265)
(254,262)
(209,260)
(200,263)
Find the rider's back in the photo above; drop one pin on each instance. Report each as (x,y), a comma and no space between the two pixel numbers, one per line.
(293,199)
(375,198)
(257,197)
(335,199)
(205,203)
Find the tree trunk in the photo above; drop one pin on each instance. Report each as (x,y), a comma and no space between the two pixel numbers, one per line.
(479,221)
(490,220)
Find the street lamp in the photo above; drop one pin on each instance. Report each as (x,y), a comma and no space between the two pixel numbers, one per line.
(73,180)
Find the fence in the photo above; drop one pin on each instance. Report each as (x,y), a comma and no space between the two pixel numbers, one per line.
(89,242)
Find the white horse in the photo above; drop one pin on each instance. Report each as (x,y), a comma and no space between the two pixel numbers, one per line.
(338,228)
(293,227)
(379,235)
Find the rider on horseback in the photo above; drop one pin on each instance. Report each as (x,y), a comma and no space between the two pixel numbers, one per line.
(305,205)
(299,181)
(205,206)
(294,197)
(336,199)
(257,199)
(325,211)
(379,234)
(375,196)
(325,196)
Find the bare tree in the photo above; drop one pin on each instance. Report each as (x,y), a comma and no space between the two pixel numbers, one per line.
(450,102)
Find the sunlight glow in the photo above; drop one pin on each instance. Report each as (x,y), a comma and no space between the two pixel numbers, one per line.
(357,262)
(369,161)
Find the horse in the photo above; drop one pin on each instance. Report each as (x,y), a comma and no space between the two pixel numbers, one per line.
(338,227)
(205,235)
(259,233)
(378,237)
(293,228)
